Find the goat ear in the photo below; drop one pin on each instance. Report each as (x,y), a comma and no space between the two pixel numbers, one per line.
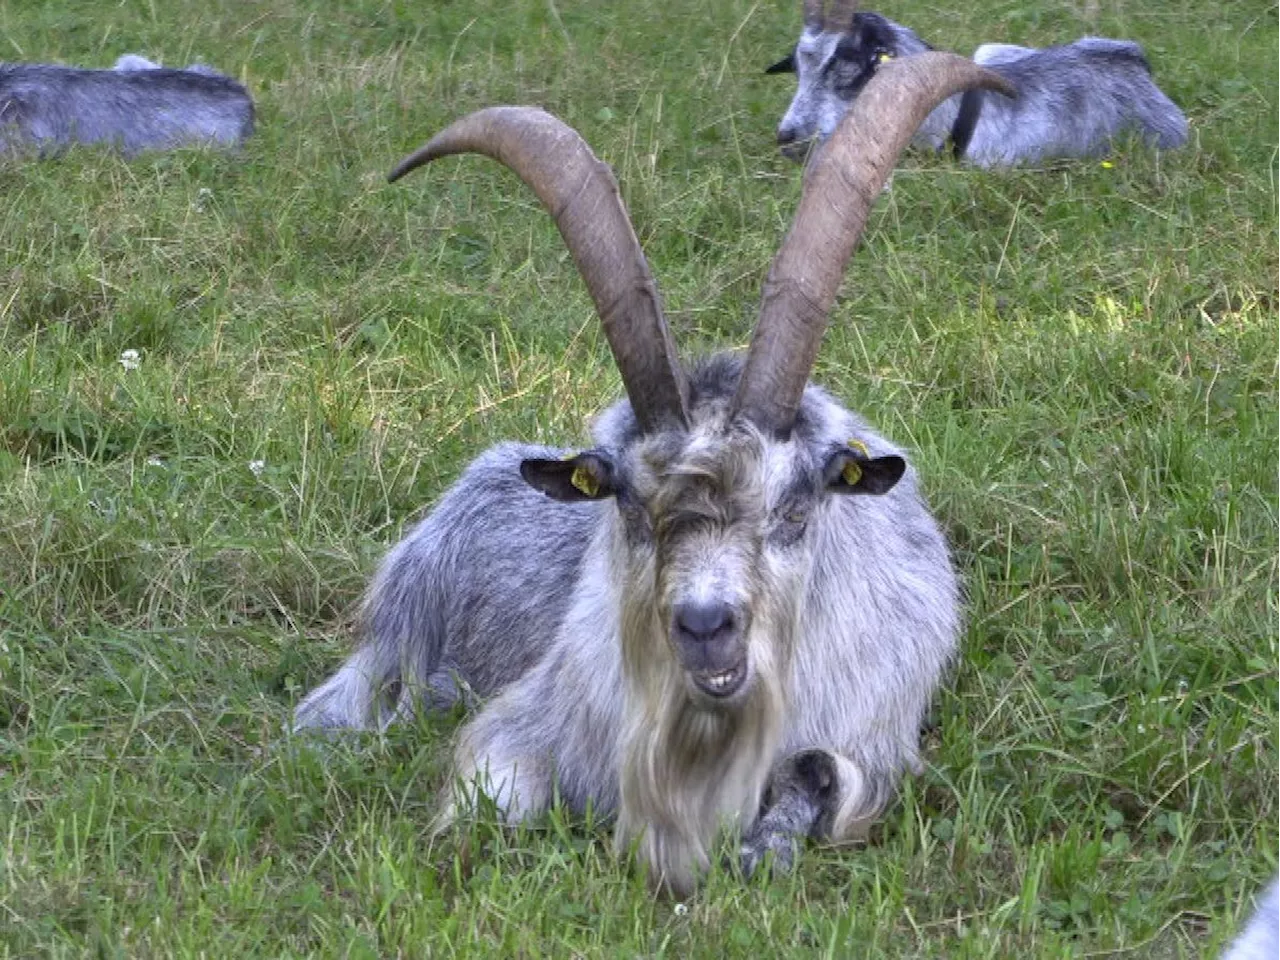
(850,470)
(587,476)
(786,65)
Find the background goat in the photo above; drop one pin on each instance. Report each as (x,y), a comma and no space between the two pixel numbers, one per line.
(737,595)
(1072,100)
(137,106)
(1260,939)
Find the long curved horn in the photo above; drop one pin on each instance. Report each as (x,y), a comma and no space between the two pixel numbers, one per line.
(840,16)
(838,193)
(813,14)
(580,193)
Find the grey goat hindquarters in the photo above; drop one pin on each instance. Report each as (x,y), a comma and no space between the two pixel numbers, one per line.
(734,606)
(137,106)
(1072,100)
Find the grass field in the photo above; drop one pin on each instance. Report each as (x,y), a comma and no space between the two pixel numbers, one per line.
(1082,358)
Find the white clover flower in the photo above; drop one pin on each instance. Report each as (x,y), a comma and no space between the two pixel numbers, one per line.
(257,466)
(130,360)
(203,196)
(681,909)
(154,462)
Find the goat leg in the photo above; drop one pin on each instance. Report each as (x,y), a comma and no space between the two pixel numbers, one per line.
(811,793)
(799,802)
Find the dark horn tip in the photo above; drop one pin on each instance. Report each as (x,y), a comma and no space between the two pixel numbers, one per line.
(999,84)
(419,157)
(987,78)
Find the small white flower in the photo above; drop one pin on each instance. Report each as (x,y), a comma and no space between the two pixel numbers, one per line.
(203,196)
(154,462)
(130,360)
(257,466)
(681,909)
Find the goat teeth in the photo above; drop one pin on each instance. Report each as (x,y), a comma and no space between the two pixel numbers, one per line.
(721,684)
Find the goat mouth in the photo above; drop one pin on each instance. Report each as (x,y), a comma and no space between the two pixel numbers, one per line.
(721,684)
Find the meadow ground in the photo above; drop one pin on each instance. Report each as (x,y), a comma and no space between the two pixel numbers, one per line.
(1083,359)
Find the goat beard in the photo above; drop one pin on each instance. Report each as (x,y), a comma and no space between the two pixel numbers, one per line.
(687,769)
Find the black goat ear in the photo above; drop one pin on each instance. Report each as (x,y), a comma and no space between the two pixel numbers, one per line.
(786,65)
(586,476)
(850,470)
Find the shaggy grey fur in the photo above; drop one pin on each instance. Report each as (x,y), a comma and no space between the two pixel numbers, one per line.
(1072,100)
(559,615)
(1260,940)
(136,106)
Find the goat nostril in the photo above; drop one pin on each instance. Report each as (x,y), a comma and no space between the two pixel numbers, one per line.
(702,621)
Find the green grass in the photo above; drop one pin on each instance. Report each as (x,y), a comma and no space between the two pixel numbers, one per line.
(1082,358)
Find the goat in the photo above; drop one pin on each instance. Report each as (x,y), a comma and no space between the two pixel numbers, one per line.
(136,106)
(1072,100)
(1260,939)
(734,607)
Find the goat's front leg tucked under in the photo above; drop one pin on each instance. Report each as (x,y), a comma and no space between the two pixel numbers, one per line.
(488,763)
(811,793)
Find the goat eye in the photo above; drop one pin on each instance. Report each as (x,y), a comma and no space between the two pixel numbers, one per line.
(790,527)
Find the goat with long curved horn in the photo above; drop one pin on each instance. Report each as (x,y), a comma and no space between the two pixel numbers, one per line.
(680,627)
(581,194)
(838,194)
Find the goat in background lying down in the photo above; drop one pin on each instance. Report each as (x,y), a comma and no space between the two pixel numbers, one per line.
(1072,100)
(134,107)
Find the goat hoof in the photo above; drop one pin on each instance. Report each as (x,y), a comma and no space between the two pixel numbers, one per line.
(755,852)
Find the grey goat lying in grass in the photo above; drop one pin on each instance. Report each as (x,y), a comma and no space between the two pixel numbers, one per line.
(1072,100)
(1260,939)
(137,106)
(734,608)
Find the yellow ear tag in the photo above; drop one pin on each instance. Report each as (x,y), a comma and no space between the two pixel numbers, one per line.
(886,57)
(584,480)
(860,447)
(851,473)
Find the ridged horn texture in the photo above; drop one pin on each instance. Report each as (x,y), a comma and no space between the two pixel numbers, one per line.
(581,194)
(840,15)
(838,194)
